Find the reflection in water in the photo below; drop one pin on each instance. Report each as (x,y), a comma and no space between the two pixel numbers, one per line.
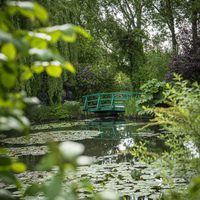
(30,160)
(107,147)
(115,137)
(126,144)
(113,129)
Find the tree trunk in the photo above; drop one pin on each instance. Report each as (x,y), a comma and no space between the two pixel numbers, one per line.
(194,31)
(171,25)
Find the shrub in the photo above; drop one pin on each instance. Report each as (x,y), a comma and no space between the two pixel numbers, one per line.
(68,110)
(17,48)
(151,96)
(131,108)
(181,122)
(122,82)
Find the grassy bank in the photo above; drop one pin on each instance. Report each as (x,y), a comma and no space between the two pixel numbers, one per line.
(67,110)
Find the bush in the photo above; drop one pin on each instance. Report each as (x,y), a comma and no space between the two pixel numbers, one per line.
(181,123)
(17,47)
(131,108)
(151,95)
(181,118)
(68,110)
(187,62)
(122,82)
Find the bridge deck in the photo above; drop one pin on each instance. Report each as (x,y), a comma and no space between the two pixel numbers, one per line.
(105,102)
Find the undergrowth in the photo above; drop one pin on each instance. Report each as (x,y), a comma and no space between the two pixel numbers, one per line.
(68,110)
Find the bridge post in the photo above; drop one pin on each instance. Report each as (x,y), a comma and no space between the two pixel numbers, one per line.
(98,101)
(85,102)
(112,101)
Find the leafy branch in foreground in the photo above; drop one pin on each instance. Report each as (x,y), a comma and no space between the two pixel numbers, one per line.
(24,53)
(180,121)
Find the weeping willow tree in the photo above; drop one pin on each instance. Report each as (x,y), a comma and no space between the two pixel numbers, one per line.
(48,89)
(116,47)
(82,54)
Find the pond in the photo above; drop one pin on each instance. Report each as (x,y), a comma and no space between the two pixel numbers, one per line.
(108,142)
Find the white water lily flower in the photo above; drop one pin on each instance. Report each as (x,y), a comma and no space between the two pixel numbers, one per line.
(71,150)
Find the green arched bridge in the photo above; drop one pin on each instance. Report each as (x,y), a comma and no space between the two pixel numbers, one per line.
(106,102)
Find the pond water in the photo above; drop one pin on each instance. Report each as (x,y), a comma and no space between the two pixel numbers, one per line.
(107,141)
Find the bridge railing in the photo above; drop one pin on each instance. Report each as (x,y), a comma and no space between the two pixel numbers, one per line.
(107,101)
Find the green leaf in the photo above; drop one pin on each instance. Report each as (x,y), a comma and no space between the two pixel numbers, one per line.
(27,75)
(21,4)
(18,167)
(47,162)
(8,38)
(38,43)
(8,79)
(3,151)
(65,28)
(68,66)
(9,178)
(9,50)
(37,40)
(10,123)
(43,54)
(24,7)
(6,195)
(37,69)
(82,31)
(5,161)
(41,36)
(66,32)
(33,190)
(69,37)
(40,12)
(24,120)
(27,13)
(28,9)
(5,37)
(53,189)
(55,36)
(54,70)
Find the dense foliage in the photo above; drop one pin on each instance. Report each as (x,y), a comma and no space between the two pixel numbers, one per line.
(138,41)
(151,96)
(187,63)
(180,123)
(18,46)
(133,43)
(68,110)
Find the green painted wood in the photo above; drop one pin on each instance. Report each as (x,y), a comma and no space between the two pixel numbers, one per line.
(103,102)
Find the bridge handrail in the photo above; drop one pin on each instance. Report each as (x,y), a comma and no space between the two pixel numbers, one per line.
(100,100)
(110,93)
